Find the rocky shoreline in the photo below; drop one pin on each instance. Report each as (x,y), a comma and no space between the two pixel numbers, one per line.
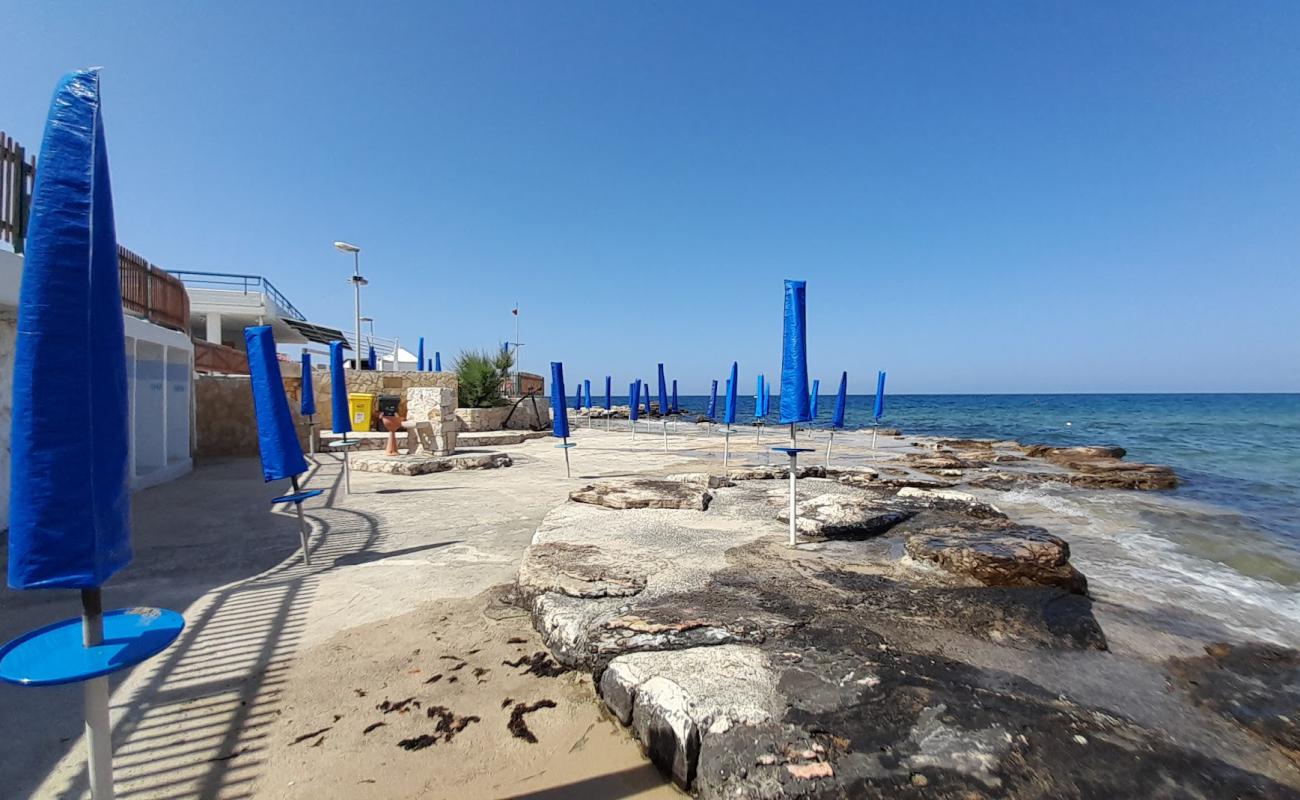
(918,642)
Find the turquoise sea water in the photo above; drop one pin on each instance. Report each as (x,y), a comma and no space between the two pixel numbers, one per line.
(1238,456)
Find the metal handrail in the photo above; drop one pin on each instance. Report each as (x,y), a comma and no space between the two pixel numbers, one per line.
(258,283)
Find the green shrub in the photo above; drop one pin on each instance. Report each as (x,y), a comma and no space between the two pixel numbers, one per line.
(479,374)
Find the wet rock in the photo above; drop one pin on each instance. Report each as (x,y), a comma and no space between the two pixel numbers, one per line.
(1065,455)
(927,462)
(948,500)
(1255,685)
(841,516)
(1013,556)
(644,493)
(577,570)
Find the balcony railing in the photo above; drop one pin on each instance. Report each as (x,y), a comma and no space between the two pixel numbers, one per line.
(17,179)
(151,293)
(246,284)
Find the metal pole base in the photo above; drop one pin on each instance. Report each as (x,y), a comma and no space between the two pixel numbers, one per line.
(794,472)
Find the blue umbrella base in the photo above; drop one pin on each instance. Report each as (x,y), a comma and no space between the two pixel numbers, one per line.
(54,655)
(570,444)
(297,497)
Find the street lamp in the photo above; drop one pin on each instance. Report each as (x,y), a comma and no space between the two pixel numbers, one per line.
(357,282)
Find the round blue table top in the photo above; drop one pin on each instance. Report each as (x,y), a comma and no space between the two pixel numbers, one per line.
(567,444)
(345,443)
(54,654)
(792,450)
(298,497)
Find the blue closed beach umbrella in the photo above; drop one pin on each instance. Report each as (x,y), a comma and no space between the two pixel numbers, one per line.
(431,365)
(794,356)
(713,401)
(759,401)
(308,408)
(341,421)
(277,441)
(372,364)
(419,356)
(634,399)
(673,402)
(70,503)
(586,393)
(663,393)
(646,394)
(559,416)
(812,400)
(437,361)
(837,419)
(577,398)
(609,397)
(729,408)
(878,410)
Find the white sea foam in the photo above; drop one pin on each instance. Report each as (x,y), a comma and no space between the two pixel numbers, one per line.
(1129,546)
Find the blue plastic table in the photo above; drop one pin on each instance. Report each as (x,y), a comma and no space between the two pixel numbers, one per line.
(297,497)
(54,655)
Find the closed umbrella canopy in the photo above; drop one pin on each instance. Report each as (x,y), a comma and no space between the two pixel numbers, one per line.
(673,402)
(341,422)
(729,411)
(419,356)
(577,398)
(663,393)
(586,393)
(634,398)
(70,507)
(437,361)
(794,355)
(760,399)
(837,420)
(878,410)
(308,388)
(559,416)
(371,362)
(812,401)
(713,401)
(646,394)
(609,397)
(277,441)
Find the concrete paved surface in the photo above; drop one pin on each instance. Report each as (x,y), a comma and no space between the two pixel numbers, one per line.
(209,545)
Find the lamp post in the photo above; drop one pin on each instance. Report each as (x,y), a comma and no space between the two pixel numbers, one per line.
(357,282)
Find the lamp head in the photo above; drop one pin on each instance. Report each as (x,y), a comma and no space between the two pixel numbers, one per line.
(347,248)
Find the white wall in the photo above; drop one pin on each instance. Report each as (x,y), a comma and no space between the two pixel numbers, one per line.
(159,369)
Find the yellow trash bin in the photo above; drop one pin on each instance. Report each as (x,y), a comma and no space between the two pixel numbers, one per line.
(361,407)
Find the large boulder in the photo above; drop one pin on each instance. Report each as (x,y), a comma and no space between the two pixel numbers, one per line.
(644,493)
(1011,556)
(1064,455)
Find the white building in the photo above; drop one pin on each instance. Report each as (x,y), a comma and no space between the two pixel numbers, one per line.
(160,370)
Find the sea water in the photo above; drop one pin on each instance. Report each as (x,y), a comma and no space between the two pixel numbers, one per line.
(1225,544)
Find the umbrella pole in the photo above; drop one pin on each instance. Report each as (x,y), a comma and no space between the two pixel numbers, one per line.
(829,442)
(873,442)
(99,741)
(665,434)
(567,473)
(311,434)
(302,523)
(726,450)
(794,471)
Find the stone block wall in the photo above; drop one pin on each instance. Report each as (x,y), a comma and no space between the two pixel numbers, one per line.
(376,383)
(437,406)
(494,419)
(224,424)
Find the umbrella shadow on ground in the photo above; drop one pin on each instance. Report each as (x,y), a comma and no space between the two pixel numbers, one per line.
(625,783)
(352,559)
(195,724)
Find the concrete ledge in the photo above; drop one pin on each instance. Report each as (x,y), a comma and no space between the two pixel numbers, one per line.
(498,438)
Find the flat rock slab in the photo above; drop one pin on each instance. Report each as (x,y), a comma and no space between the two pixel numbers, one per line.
(644,493)
(423,464)
(705,479)
(841,516)
(578,570)
(1012,556)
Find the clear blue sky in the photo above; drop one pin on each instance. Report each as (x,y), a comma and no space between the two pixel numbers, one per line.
(1006,197)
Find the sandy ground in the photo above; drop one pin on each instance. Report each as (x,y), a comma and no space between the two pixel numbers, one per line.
(216,714)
